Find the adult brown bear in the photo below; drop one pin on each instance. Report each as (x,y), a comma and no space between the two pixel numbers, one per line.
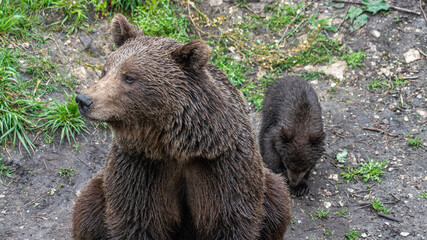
(184,162)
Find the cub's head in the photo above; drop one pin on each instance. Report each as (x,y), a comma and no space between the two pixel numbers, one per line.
(299,151)
(145,80)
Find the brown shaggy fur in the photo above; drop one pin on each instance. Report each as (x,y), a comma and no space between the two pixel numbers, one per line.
(184,163)
(291,136)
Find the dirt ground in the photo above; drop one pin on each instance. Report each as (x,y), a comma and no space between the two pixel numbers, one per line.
(37,203)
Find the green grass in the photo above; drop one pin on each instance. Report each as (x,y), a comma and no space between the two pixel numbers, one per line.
(5,171)
(379,206)
(322,213)
(310,76)
(354,59)
(352,235)
(327,233)
(161,18)
(423,195)
(342,213)
(66,172)
(63,118)
(379,85)
(368,171)
(413,141)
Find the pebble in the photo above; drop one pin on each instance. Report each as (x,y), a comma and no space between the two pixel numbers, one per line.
(412,55)
(2,196)
(405,118)
(422,113)
(350,190)
(364,235)
(410,195)
(405,234)
(376,33)
(67,42)
(327,204)
(25,45)
(334,177)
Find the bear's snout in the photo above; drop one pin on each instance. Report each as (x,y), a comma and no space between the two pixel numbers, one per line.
(85,102)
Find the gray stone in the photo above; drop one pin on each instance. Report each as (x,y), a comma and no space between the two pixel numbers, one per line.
(85,40)
(412,55)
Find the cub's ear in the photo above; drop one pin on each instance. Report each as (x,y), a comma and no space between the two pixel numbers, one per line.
(317,138)
(194,54)
(287,135)
(122,30)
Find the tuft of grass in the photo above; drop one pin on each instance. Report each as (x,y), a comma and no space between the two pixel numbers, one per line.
(161,18)
(5,171)
(379,206)
(354,59)
(75,13)
(352,235)
(310,76)
(64,118)
(369,171)
(423,195)
(413,141)
(327,233)
(66,172)
(378,85)
(342,213)
(322,213)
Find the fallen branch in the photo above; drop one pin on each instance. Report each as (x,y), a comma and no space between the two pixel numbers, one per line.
(422,53)
(391,6)
(389,217)
(422,11)
(380,130)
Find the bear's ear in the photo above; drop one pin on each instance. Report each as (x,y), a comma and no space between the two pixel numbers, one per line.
(122,30)
(286,135)
(194,54)
(317,138)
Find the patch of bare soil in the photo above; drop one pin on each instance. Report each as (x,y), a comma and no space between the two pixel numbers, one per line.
(37,203)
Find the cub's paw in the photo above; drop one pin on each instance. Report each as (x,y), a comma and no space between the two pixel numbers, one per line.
(301,189)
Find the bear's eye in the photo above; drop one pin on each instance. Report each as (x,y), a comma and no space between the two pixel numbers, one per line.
(128,79)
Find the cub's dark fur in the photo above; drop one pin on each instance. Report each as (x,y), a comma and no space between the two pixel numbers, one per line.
(184,162)
(291,136)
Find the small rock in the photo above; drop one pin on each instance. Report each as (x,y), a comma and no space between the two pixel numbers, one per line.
(85,40)
(364,235)
(333,177)
(2,196)
(412,55)
(405,234)
(350,190)
(422,113)
(327,204)
(410,195)
(405,118)
(390,169)
(67,42)
(376,116)
(25,45)
(215,3)
(376,34)
(10,46)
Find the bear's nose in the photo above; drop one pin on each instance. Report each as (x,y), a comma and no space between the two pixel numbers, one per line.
(84,102)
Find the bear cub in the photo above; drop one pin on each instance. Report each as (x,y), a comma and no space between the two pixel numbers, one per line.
(184,161)
(291,136)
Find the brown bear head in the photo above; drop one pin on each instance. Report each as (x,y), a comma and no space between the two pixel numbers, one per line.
(158,95)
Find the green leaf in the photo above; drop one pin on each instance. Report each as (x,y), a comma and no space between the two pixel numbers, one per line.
(359,22)
(353,12)
(375,6)
(342,156)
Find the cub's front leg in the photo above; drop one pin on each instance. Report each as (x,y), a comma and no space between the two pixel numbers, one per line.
(89,212)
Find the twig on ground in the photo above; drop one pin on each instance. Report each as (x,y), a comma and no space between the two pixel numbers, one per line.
(422,53)
(343,20)
(389,217)
(423,13)
(90,167)
(391,6)
(198,30)
(380,130)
